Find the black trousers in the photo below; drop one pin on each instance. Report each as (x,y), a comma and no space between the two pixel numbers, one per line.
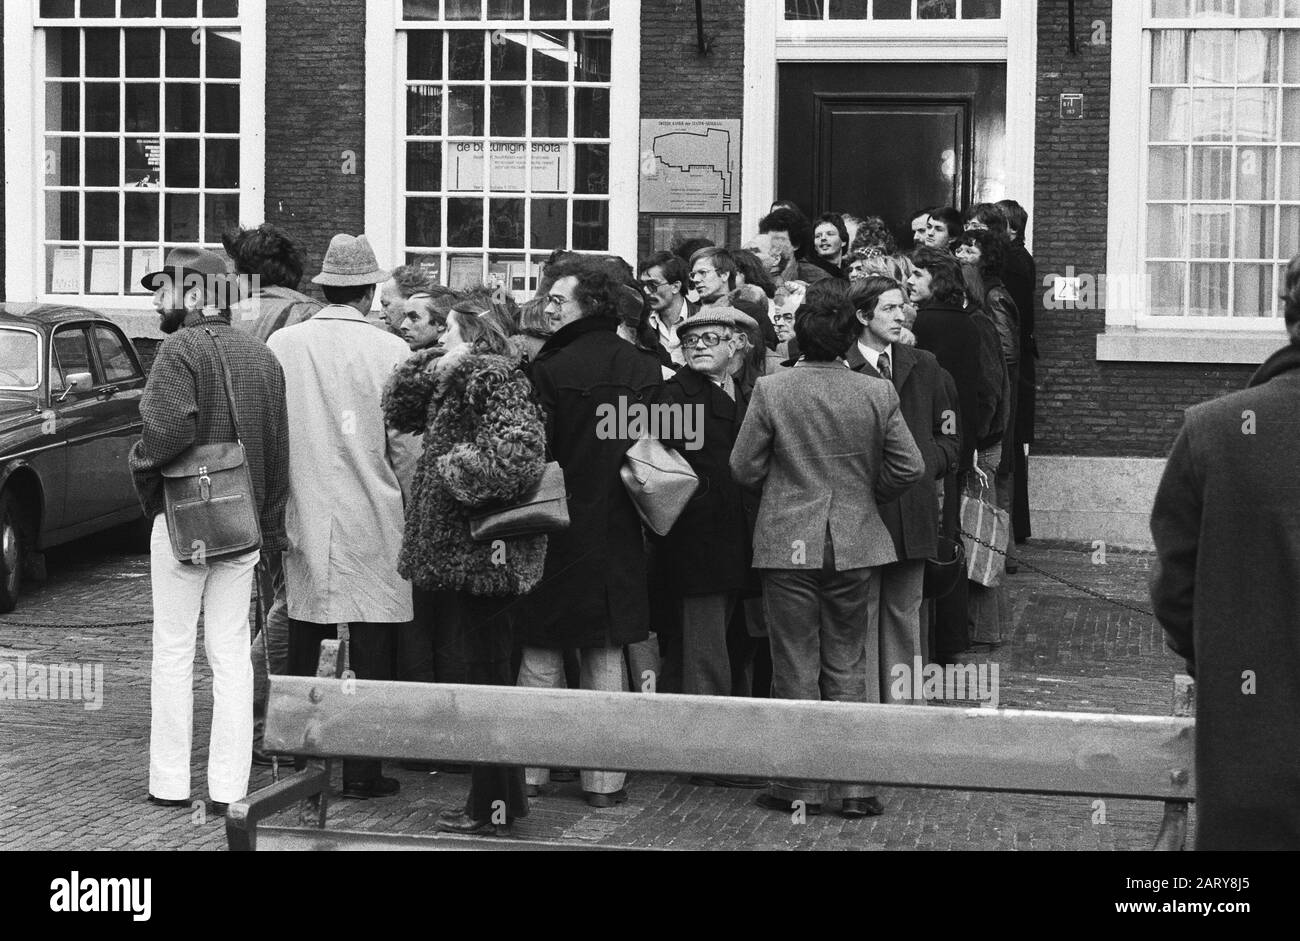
(370,657)
(479,632)
(424,653)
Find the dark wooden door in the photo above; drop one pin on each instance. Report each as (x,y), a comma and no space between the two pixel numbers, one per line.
(886,140)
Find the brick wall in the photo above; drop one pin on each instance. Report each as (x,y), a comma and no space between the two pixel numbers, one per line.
(315,112)
(678,83)
(1087,408)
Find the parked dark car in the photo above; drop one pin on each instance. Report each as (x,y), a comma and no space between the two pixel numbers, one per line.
(70,389)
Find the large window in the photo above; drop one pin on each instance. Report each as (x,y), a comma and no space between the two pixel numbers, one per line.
(1222,185)
(893,9)
(136,128)
(506,135)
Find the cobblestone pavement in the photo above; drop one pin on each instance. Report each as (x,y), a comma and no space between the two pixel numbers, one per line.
(73,778)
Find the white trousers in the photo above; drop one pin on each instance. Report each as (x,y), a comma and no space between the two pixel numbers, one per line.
(601,669)
(221,591)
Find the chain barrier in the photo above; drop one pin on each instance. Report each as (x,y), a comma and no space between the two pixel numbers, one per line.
(1056,578)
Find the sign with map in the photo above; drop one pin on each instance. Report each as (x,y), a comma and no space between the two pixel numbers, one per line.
(690,166)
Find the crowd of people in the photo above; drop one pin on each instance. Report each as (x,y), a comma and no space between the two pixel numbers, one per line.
(849,393)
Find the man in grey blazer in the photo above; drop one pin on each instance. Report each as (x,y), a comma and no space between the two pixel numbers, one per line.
(826,445)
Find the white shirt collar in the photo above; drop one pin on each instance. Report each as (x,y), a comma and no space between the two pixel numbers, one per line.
(873,358)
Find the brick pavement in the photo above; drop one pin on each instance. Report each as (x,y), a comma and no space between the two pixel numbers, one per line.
(76,779)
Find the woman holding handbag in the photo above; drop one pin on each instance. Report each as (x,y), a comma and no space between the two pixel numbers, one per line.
(484,446)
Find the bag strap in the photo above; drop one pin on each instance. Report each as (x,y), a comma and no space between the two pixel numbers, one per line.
(230,390)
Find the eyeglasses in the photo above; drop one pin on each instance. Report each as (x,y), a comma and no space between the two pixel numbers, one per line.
(711,340)
(783,318)
(557,300)
(651,287)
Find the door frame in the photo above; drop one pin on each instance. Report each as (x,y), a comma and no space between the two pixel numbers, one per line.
(770,41)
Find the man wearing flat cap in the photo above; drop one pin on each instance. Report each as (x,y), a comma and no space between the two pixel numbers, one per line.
(707,554)
(348,478)
(185,405)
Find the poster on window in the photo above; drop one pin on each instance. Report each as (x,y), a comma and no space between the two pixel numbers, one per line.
(105,271)
(66,278)
(509,167)
(143,261)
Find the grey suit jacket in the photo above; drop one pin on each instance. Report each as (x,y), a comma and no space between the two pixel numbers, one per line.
(826,444)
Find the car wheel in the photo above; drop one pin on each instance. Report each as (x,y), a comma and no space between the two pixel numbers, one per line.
(12,550)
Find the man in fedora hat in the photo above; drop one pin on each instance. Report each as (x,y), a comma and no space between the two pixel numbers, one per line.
(348,477)
(185,405)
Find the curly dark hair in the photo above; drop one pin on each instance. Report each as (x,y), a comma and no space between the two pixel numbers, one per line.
(993,249)
(268,252)
(826,324)
(873,233)
(948,286)
(599,291)
(1291,292)
(792,221)
(753,271)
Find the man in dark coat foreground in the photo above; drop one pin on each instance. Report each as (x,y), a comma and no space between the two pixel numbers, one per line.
(1226,525)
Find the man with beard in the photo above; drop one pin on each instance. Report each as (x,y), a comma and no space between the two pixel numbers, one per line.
(184,405)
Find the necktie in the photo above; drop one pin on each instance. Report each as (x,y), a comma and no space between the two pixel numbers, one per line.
(882,366)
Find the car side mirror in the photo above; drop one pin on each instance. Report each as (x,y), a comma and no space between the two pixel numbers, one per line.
(77,382)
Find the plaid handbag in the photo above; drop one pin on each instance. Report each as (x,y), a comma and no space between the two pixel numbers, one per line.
(983,525)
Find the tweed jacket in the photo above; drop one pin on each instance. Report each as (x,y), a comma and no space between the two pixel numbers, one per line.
(184,404)
(931,416)
(826,444)
(347,474)
(484,443)
(1226,526)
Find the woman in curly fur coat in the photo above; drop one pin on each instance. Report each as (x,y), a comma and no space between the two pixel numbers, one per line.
(484,444)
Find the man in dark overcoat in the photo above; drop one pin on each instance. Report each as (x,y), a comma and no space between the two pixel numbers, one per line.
(1226,525)
(593,591)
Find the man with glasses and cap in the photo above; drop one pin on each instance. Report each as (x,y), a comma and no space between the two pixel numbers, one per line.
(348,479)
(184,405)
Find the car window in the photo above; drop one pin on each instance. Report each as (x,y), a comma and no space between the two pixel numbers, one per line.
(113,356)
(20,360)
(71,355)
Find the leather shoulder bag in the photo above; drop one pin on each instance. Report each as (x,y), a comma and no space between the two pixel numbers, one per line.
(208,493)
(660,483)
(543,509)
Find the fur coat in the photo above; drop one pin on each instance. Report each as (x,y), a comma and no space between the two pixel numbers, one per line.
(484,445)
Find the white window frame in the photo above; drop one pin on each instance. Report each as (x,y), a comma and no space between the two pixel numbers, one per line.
(1131,335)
(385,178)
(770,40)
(24,81)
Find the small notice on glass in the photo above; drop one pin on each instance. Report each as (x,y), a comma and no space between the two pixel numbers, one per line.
(143,260)
(105,271)
(66,278)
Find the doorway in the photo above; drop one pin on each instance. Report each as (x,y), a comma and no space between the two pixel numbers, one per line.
(887,139)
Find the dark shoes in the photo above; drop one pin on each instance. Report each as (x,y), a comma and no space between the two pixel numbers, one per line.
(604,801)
(457,821)
(365,790)
(768,802)
(854,807)
(261,759)
(533,790)
(218,809)
(750,784)
(169,802)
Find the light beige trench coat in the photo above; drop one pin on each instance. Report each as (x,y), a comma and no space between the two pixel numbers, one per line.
(348,475)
